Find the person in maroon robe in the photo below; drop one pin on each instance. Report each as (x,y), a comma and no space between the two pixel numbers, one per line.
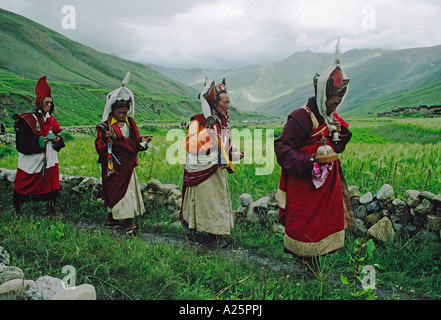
(314,206)
(117,144)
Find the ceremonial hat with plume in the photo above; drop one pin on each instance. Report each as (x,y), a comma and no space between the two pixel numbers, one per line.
(333,82)
(121,94)
(210,94)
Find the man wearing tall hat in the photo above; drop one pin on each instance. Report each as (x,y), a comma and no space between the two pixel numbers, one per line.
(206,204)
(314,206)
(117,144)
(38,143)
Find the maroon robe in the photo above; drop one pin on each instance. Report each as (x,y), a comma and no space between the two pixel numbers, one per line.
(125,150)
(314,219)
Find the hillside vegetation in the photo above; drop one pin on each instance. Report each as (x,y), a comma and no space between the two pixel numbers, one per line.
(83,104)
(80,77)
(163,263)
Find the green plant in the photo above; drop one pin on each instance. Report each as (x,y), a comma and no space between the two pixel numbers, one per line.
(360,254)
(58,231)
(6,150)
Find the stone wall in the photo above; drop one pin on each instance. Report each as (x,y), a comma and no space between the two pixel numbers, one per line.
(14,285)
(423,110)
(154,193)
(380,215)
(8,139)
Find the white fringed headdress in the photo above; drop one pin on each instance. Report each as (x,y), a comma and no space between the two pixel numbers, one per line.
(322,88)
(121,93)
(206,109)
(210,94)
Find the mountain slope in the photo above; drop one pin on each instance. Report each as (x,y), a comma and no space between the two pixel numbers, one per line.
(375,79)
(427,94)
(29,51)
(392,73)
(39,50)
(258,86)
(279,88)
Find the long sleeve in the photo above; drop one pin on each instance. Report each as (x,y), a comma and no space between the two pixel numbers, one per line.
(137,135)
(100,145)
(345,136)
(287,148)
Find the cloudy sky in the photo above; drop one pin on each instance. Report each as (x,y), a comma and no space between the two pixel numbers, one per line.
(235,33)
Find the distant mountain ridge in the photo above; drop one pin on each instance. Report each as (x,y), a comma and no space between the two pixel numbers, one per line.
(380,80)
(283,86)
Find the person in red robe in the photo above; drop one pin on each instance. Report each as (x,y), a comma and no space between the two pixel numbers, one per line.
(314,204)
(117,144)
(38,141)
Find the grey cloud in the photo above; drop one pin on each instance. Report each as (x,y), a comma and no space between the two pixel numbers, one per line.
(227,33)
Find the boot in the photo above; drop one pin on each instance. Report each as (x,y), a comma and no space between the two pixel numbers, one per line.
(130,227)
(52,209)
(112,223)
(217,241)
(17,208)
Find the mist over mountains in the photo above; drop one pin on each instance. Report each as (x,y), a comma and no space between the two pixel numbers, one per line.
(281,87)
(381,80)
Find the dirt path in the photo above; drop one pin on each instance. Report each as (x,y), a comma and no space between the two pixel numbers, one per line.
(200,244)
(276,265)
(285,266)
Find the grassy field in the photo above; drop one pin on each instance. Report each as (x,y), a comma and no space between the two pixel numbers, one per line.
(82,104)
(131,268)
(427,94)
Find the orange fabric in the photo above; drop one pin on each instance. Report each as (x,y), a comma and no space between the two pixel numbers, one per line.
(198,138)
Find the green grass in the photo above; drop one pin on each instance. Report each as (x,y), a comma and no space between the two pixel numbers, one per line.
(123,268)
(427,94)
(401,152)
(129,268)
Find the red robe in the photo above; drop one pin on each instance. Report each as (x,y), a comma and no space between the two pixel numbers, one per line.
(314,219)
(125,150)
(32,184)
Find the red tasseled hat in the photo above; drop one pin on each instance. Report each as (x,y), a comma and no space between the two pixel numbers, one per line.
(42,90)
